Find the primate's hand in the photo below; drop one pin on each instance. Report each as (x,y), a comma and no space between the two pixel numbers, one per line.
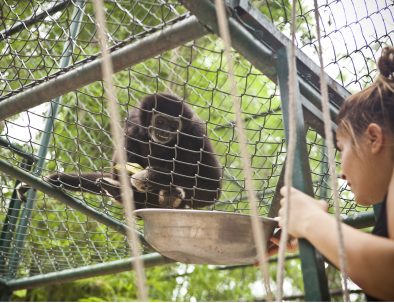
(21,190)
(273,245)
(140,181)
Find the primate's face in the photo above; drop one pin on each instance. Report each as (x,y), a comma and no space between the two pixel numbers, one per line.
(163,128)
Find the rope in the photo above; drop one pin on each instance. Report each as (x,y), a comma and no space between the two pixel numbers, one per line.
(331,159)
(117,131)
(257,227)
(290,155)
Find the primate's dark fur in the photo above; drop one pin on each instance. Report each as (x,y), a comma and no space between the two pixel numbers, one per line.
(180,168)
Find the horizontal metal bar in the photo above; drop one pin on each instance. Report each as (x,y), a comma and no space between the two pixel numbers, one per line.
(68,275)
(3,282)
(17,27)
(314,117)
(313,96)
(360,220)
(170,37)
(56,193)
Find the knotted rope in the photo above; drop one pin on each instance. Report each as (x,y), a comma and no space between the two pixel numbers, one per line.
(257,227)
(119,145)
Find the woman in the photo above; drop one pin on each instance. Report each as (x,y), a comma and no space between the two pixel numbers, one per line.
(365,137)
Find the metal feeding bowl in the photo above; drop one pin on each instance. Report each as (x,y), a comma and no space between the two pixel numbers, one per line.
(202,237)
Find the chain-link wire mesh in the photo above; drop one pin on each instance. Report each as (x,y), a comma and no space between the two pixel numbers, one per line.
(32,39)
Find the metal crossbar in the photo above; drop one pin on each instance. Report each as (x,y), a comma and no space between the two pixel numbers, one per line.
(158,47)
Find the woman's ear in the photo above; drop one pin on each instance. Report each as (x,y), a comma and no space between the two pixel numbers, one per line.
(375,136)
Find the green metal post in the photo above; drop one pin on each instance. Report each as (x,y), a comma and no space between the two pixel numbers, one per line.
(324,192)
(376,210)
(315,280)
(21,232)
(10,221)
(5,293)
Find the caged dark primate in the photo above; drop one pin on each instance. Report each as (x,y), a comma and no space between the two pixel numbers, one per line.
(166,138)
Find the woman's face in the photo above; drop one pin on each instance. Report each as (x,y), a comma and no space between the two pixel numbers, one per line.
(366,170)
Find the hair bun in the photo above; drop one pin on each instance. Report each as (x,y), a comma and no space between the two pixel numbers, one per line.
(386,62)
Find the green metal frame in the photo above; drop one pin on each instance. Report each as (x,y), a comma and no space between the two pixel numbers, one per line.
(147,47)
(313,272)
(37,183)
(10,221)
(149,260)
(28,206)
(261,43)
(258,41)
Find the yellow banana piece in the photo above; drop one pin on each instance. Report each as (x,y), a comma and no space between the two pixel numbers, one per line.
(132,168)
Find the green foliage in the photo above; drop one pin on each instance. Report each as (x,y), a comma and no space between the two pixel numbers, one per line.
(60,238)
(166,283)
(95,290)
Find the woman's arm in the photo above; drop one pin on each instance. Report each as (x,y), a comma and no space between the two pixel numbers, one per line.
(370,259)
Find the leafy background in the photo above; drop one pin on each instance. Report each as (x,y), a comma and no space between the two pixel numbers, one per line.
(60,238)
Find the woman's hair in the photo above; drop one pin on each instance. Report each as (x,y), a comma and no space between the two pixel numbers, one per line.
(374,104)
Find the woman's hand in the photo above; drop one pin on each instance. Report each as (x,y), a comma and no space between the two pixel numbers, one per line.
(303,208)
